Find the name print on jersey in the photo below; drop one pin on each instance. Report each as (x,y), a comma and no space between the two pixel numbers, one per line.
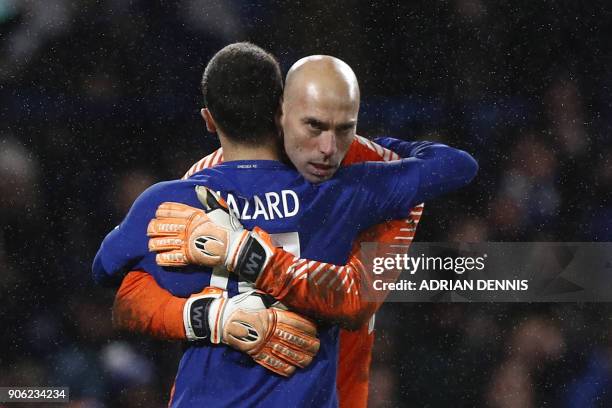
(270,206)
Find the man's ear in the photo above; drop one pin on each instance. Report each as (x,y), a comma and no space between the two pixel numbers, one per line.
(210,122)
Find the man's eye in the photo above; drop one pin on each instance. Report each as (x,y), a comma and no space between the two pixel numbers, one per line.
(314,127)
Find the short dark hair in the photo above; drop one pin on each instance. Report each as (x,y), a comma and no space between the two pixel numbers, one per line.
(242,88)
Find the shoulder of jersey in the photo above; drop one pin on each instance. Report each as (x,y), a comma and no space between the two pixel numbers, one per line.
(386,155)
(211,160)
(366,150)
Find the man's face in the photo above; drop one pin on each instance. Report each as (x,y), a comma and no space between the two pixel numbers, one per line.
(318,129)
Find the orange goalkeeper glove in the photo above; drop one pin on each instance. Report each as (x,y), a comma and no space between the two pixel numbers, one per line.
(183,235)
(277,339)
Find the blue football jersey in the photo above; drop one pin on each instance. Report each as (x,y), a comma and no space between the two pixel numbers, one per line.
(316,221)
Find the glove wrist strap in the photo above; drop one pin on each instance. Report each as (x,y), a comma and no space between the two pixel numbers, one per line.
(195,317)
(252,258)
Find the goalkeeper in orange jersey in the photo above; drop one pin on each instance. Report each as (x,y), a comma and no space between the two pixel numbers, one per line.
(141,305)
(161,314)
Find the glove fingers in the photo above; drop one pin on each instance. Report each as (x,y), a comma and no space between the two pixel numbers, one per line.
(175,210)
(171,258)
(165,244)
(293,356)
(165,227)
(297,339)
(273,363)
(209,199)
(272,337)
(294,320)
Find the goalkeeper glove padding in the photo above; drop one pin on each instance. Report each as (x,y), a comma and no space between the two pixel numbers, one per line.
(183,235)
(275,338)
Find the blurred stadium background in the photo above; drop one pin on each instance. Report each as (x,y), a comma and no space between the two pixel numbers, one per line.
(99,99)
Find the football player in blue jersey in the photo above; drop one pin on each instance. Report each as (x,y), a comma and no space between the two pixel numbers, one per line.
(357,197)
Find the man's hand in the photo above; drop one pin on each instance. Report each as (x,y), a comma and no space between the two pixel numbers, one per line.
(183,235)
(277,339)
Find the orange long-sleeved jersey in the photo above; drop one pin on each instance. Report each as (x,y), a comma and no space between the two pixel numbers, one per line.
(330,292)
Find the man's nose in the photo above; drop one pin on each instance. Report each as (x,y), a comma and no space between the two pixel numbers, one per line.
(327,143)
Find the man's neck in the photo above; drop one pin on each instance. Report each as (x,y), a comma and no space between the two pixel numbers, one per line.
(235,151)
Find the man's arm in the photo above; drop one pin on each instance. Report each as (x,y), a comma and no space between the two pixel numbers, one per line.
(126,245)
(142,306)
(337,293)
(344,301)
(341,294)
(123,247)
(314,292)
(389,190)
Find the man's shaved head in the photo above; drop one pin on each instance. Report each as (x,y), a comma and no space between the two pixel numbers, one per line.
(321,73)
(320,109)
